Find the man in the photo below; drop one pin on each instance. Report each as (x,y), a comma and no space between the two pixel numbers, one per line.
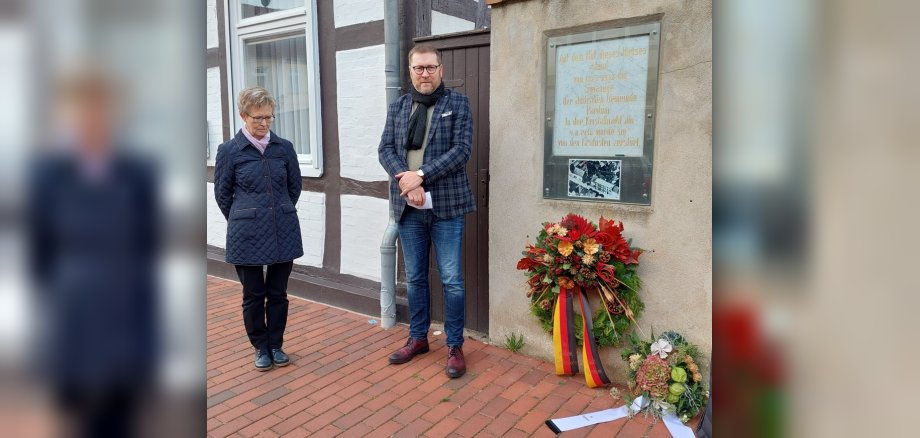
(425,146)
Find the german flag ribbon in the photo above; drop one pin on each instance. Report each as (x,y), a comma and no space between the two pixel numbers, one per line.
(564,343)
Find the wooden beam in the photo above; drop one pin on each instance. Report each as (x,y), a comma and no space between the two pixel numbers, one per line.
(501,2)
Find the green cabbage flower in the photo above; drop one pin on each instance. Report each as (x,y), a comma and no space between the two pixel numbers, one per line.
(678,374)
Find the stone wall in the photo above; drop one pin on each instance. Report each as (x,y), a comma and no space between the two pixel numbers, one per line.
(676,230)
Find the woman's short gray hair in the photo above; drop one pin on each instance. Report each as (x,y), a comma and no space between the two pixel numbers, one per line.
(255,97)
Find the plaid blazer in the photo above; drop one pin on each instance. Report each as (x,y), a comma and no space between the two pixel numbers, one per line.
(450,140)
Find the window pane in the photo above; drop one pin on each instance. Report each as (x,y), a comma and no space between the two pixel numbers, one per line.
(280,66)
(254,8)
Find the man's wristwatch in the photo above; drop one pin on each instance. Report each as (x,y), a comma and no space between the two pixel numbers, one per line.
(420,173)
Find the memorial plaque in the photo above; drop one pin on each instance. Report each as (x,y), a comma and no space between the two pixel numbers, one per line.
(602,89)
(600,110)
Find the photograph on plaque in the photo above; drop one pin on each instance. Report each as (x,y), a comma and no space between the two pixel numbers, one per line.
(594,179)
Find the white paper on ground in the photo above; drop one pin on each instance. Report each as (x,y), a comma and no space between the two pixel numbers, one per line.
(427,205)
(671,422)
(677,429)
(569,423)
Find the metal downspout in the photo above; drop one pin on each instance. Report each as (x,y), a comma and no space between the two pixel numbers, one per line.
(388,245)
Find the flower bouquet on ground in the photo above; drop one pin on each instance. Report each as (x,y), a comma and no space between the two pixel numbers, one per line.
(569,262)
(666,372)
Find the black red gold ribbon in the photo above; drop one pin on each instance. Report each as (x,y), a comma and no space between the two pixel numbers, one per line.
(564,343)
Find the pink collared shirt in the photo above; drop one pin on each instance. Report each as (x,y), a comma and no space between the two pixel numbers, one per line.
(260,144)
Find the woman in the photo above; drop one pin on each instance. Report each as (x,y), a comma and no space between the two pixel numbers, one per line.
(256,184)
(92,216)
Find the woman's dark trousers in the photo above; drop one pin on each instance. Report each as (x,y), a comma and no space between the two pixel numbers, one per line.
(265,303)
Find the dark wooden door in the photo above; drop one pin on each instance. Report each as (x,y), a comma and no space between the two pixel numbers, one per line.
(466,69)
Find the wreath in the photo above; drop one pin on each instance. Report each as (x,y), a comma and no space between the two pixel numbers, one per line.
(577,254)
(666,371)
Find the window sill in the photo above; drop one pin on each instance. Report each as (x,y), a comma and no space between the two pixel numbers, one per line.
(307,170)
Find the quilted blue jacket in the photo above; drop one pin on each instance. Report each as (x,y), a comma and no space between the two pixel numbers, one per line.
(257,193)
(450,140)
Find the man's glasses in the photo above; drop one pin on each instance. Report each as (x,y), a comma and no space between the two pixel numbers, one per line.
(419,69)
(262,118)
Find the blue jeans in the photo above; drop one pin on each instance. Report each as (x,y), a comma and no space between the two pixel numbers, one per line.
(418,230)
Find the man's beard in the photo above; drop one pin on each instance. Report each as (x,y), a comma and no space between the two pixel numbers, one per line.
(429,91)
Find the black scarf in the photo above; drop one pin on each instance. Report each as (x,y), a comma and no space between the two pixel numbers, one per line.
(418,120)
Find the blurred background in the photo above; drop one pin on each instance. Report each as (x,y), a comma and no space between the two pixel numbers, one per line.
(102,278)
(815,206)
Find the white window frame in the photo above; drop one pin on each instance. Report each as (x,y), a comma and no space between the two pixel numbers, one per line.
(273,26)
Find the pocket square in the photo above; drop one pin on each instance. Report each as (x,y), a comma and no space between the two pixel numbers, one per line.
(447,114)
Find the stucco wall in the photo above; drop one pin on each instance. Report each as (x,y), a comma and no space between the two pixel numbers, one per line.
(362,107)
(348,12)
(212,24)
(215,120)
(217,225)
(364,220)
(311,212)
(675,230)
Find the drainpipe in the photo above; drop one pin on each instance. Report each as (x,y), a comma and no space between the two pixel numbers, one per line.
(388,246)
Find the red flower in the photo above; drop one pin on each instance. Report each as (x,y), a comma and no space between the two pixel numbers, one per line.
(604,239)
(606,272)
(527,263)
(575,222)
(574,234)
(533,250)
(611,227)
(633,258)
(622,252)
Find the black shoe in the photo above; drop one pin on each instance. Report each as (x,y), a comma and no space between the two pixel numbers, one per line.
(279,358)
(263,361)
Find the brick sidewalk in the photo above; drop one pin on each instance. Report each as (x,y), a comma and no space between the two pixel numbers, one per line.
(341,384)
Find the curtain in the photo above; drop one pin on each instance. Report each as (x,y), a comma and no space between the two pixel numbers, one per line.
(280,66)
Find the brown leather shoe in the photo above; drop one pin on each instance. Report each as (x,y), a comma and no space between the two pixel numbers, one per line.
(456,366)
(412,348)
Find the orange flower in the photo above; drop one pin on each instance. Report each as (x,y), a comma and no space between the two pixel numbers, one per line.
(566,282)
(565,248)
(590,246)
